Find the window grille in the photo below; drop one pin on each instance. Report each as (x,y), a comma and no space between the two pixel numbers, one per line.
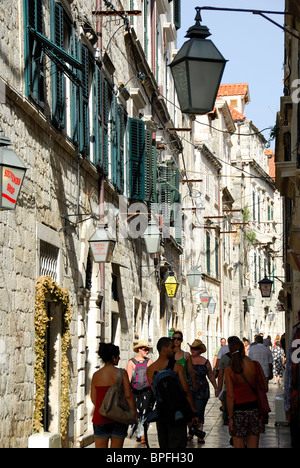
(49,260)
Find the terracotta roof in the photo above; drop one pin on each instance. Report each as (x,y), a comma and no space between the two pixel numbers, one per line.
(234,89)
(236,115)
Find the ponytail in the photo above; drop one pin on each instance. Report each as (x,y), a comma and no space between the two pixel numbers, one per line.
(237,352)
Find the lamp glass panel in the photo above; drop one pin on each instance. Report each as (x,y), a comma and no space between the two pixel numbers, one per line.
(205,79)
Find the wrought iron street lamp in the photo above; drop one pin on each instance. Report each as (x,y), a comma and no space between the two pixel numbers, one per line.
(265,286)
(102,244)
(193,277)
(197,70)
(271,316)
(171,285)
(12,173)
(250,299)
(212,306)
(205,299)
(152,237)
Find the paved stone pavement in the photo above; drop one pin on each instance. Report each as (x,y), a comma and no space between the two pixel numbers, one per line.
(275,436)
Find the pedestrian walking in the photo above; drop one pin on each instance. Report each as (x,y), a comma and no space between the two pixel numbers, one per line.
(203,369)
(143,395)
(241,376)
(183,357)
(215,369)
(278,362)
(175,405)
(105,429)
(263,355)
(246,345)
(225,362)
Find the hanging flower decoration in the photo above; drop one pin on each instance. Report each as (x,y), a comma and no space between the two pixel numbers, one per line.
(45,287)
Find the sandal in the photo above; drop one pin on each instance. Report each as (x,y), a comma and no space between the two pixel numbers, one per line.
(190,437)
(143,441)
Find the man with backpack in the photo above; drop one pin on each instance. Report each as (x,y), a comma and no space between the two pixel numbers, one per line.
(174,401)
(143,395)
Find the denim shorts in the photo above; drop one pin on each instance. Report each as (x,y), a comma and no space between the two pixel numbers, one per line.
(115,429)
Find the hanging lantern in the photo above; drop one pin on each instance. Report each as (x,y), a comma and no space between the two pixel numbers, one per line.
(212,306)
(152,237)
(205,299)
(265,286)
(102,244)
(250,300)
(197,70)
(171,285)
(193,277)
(271,316)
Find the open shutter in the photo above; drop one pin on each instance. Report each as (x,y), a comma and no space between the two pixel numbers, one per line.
(84,107)
(58,82)
(74,89)
(105,118)
(114,139)
(120,148)
(34,55)
(97,112)
(136,159)
(177,14)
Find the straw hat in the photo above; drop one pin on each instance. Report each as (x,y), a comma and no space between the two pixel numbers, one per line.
(141,344)
(198,344)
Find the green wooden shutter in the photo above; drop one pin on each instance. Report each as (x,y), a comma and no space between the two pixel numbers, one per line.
(84,132)
(177,14)
(34,56)
(120,148)
(153,175)
(148,165)
(97,112)
(208,253)
(217,257)
(136,159)
(75,46)
(105,118)
(58,83)
(114,140)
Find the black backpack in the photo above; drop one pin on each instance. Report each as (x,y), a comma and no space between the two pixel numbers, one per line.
(171,402)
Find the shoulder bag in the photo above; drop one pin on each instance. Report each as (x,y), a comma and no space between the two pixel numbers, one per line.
(115,405)
(262,399)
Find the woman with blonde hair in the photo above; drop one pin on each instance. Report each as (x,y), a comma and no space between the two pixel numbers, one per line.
(241,380)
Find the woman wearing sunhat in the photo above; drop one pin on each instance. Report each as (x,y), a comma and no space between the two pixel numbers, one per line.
(203,370)
(144,399)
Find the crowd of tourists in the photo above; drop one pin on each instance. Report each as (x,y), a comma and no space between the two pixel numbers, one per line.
(174,390)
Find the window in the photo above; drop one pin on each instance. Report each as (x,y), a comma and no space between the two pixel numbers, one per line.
(48,260)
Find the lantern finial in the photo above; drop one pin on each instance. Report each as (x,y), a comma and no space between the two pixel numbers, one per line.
(198,31)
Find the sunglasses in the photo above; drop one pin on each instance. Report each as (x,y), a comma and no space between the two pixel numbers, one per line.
(196,348)
(176,339)
(144,349)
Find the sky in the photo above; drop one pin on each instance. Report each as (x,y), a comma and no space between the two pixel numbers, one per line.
(254,48)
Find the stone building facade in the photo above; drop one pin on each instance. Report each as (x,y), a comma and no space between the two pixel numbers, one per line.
(81,97)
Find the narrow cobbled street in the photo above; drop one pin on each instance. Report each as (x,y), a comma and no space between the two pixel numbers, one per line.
(275,436)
